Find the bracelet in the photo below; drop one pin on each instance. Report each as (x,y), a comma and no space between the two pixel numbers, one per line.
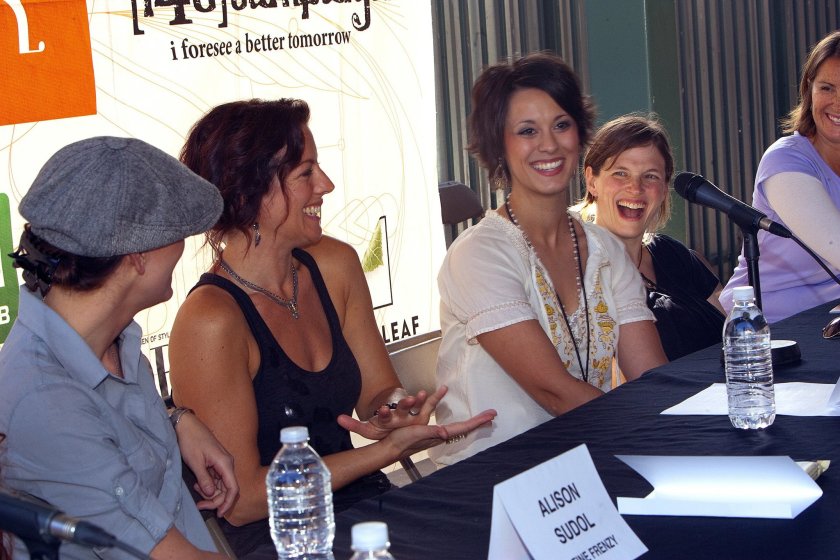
(175,415)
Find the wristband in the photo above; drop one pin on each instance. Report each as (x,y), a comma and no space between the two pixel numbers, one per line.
(175,415)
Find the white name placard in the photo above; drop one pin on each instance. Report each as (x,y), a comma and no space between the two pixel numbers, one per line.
(559,510)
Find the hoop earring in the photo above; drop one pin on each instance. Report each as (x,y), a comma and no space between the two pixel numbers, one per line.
(499,177)
(257,237)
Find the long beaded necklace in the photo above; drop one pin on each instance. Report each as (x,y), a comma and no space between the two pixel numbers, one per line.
(290,304)
(580,288)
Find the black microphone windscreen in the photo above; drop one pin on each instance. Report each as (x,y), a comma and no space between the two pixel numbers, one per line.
(682,182)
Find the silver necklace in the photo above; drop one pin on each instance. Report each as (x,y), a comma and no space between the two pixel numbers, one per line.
(290,304)
(579,281)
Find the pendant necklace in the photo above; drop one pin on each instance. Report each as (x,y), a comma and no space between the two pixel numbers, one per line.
(649,284)
(580,287)
(290,304)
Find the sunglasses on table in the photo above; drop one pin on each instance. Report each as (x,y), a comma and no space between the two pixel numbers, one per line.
(832,329)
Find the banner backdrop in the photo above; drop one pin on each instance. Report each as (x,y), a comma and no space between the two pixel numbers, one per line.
(150,68)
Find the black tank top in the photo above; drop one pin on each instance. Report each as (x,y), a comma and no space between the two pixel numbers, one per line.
(287,395)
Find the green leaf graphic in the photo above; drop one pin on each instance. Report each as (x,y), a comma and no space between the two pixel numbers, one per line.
(373,255)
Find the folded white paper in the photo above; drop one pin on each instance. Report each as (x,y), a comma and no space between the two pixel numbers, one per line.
(792,399)
(766,487)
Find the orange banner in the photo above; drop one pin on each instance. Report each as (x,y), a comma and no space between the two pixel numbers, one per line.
(46,56)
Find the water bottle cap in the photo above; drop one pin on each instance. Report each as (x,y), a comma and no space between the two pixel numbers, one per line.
(369,536)
(742,293)
(294,434)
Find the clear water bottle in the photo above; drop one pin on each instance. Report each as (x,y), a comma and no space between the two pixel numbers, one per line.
(300,503)
(370,541)
(749,363)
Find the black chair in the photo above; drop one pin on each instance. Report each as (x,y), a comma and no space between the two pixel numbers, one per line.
(458,204)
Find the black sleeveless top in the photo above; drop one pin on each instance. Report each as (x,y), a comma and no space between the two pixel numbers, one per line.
(685,320)
(287,395)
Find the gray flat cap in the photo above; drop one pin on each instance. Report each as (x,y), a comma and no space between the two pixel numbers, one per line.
(109,196)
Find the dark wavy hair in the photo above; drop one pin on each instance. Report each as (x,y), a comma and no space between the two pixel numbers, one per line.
(241,147)
(45,266)
(491,95)
(800,118)
(621,134)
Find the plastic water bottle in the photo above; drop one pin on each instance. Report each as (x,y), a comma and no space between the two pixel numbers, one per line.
(370,541)
(300,499)
(749,363)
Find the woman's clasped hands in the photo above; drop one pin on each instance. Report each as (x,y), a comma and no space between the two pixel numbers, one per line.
(404,423)
(211,464)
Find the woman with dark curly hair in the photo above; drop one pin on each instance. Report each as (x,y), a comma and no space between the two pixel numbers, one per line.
(532,299)
(281,331)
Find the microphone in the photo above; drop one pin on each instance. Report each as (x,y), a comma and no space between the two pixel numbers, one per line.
(30,520)
(697,189)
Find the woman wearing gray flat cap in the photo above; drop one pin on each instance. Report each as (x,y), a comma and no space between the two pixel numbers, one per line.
(86,429)
(282,332)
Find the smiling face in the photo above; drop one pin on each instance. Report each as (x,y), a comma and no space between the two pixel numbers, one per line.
(629,192)
(825,109)
(296,208)
(541,143)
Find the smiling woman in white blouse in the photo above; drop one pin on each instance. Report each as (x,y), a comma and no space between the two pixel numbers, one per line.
(535,304)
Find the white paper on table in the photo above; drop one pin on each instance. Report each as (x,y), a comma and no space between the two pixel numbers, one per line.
(792,399)
(766,487)
(532,513)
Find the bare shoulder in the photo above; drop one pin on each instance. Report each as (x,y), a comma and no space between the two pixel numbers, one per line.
(338,261)
(333,255)
(210,339)
(209,311)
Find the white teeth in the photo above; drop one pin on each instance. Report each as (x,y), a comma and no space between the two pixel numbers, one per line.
(548,166)
(632,205)
(832,118)
(312,211)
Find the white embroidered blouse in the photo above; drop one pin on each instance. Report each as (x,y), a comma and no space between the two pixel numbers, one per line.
(491,279)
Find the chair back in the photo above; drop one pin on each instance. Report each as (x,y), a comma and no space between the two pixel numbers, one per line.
(458,203)
(415,363)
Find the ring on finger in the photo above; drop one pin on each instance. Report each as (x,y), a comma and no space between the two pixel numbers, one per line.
(412,412)
(453,439)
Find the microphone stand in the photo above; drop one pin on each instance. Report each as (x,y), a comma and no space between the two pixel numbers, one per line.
(783,352)
(751,254)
